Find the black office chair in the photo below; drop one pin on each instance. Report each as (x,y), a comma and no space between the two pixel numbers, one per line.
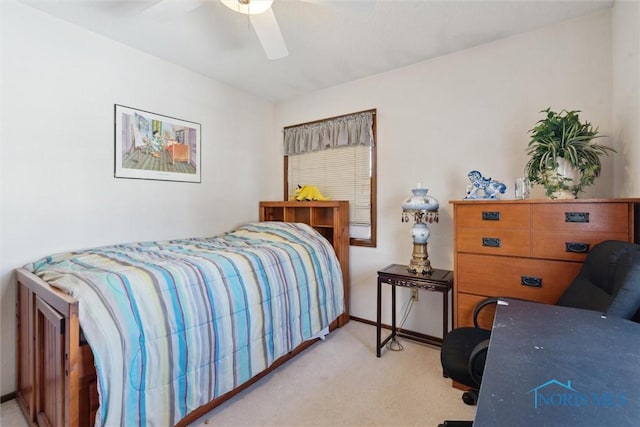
(608,281)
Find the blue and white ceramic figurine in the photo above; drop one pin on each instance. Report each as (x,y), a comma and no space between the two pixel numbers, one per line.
(490,187)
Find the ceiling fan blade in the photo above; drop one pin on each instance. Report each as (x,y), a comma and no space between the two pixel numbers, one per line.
(268,32)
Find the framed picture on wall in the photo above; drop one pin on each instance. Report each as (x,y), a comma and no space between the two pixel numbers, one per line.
(153,146)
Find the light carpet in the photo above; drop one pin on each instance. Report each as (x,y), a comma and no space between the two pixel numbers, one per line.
(339,382)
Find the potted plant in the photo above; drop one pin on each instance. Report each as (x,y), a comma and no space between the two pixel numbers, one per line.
(564,157)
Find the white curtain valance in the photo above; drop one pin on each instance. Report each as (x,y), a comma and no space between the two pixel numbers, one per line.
(354,129)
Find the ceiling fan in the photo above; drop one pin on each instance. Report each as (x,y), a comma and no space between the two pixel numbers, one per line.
(264,23)
(259,13)
(266,27)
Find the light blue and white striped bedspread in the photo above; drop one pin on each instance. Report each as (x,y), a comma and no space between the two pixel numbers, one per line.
(174,324)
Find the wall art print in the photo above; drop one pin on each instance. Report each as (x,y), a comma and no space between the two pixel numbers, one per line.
(153,146)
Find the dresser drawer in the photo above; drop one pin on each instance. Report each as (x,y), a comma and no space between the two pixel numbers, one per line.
(465,304)
(489,216)
(569,246)
(530,279)
(493,241)
(575,217)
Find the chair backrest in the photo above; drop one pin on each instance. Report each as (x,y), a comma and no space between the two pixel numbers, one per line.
(609,281)
(626,300)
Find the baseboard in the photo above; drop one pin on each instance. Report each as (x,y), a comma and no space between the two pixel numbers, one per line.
(7,397)
(361,320)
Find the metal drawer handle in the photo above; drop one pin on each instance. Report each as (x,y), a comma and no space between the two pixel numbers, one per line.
(531,281)
(492,242)
(491,216)
(576,217)
(577,247)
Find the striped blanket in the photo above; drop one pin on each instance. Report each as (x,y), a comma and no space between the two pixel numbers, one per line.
(174,324)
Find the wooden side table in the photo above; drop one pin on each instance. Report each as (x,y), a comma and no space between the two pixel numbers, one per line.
(399,275)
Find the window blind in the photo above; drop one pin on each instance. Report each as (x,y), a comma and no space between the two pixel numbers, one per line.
(340,174)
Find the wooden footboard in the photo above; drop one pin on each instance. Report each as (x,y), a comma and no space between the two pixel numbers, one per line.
(56,374)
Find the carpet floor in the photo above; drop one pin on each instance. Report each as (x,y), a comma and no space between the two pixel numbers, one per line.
(339,382)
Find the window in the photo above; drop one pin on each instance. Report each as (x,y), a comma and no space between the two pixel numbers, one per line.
(338,156)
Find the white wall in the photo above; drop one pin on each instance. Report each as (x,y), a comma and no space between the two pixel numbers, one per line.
(59,87)
(436,121)
(626,95)
(469,110)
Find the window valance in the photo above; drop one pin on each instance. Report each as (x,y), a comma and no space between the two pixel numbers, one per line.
(343,131)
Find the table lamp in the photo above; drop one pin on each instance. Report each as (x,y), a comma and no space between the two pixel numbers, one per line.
(424,209)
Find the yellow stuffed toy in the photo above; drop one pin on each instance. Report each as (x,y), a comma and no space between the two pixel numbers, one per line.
(309,193)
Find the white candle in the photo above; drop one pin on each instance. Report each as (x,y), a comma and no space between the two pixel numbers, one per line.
(419,185)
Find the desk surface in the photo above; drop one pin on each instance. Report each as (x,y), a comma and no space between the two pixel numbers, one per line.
(557,366)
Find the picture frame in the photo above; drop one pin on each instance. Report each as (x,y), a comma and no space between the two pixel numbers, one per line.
(156,147)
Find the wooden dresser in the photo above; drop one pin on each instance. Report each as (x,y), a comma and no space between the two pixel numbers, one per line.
(529,249)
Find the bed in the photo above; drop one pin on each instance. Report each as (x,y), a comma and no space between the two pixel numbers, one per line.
(170,329)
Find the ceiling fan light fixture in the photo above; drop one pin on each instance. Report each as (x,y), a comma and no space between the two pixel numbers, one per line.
(248,7)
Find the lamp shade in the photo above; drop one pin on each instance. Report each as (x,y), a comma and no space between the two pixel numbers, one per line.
(420,201)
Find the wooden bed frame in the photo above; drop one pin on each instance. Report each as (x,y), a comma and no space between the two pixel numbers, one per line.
(56,377)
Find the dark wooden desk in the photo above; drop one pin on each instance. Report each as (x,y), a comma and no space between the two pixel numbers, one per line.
(399,275)
(558,366)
